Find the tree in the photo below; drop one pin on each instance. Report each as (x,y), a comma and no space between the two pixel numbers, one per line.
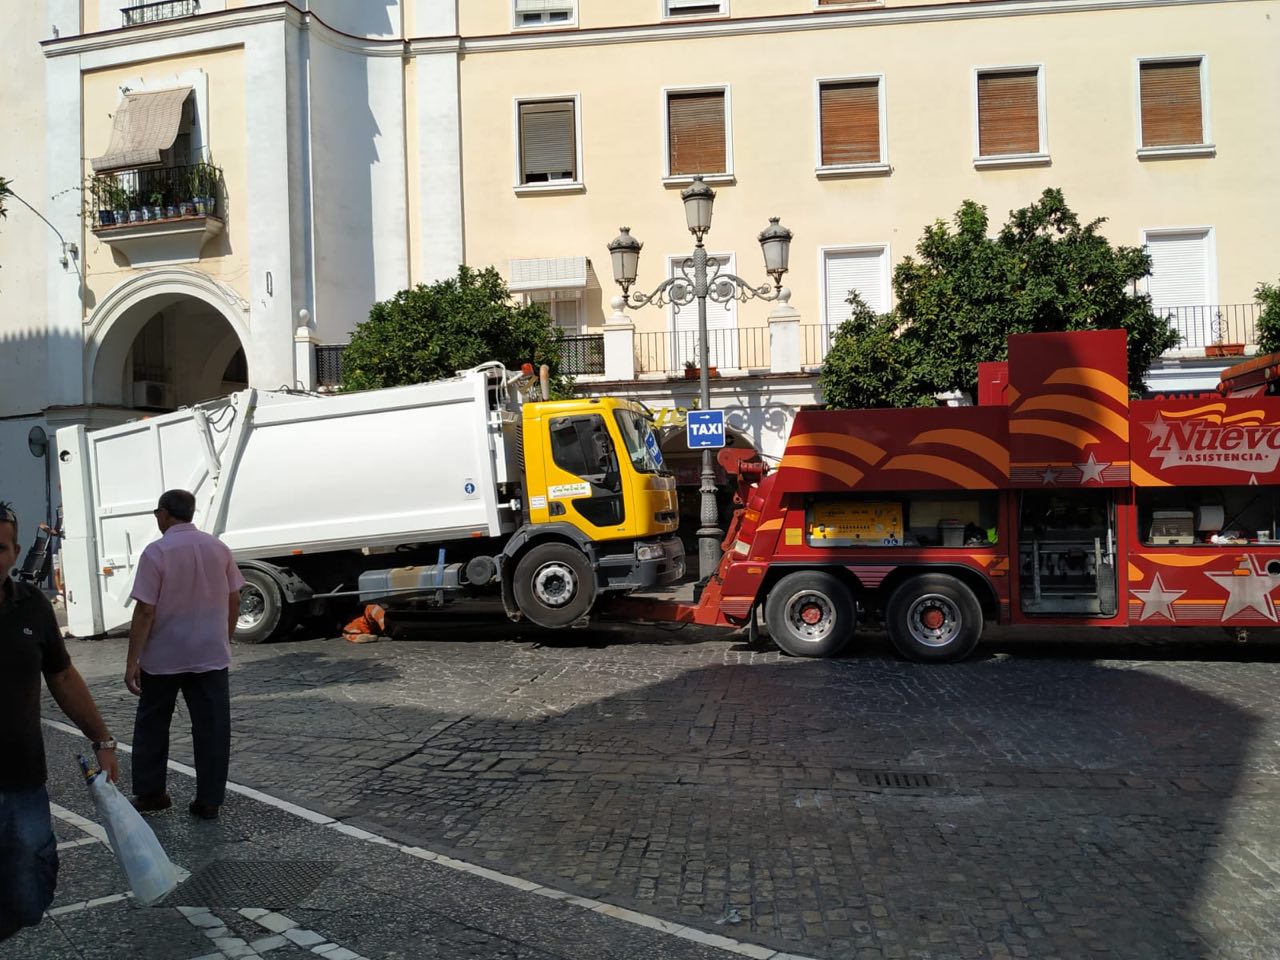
(965,292)
(431,332)
(1268,297)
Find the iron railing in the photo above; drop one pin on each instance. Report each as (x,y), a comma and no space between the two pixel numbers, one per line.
(329,364)
(155,193)
(582,354)
(739,349)
(153,12)
(1218,323)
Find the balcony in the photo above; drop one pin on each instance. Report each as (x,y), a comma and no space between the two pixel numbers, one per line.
(157,215)
(1209,328)
(740,350)
(155,12)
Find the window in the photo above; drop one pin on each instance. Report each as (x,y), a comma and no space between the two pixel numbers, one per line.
(548,142)
(1172,107)
(545,13)
(1010,115)
(864,269)
(1183,281)
(697,133)
(563,307)
(850,124)
(694,8)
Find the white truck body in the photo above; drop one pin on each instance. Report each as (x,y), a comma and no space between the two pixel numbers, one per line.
(277,474)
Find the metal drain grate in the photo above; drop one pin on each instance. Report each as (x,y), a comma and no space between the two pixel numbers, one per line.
(896,779)
(252,883)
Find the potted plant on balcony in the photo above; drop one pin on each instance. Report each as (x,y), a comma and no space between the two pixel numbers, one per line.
(135,207)
(201,183)
(1219,347)
(691,370)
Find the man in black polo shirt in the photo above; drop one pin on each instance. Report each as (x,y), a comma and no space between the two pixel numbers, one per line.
(31,645)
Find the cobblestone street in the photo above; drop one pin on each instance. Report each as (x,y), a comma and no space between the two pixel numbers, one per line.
(1111,797)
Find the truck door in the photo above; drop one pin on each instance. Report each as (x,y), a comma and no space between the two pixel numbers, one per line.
(1067,552)
(591,482)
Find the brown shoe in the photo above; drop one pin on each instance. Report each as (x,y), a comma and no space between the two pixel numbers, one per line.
(205,811)
(151,802)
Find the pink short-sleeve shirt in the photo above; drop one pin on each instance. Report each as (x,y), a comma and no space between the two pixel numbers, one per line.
(188,576)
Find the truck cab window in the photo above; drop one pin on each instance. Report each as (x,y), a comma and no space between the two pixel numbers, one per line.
(582,446)
(641,444)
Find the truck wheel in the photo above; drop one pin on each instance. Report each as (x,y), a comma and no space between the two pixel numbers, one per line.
(933,617)
(262,609)
(810,614)
(554,584)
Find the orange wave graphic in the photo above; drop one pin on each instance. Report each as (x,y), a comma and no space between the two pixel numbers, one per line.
(1103,416)
(1176,559)
(1253,416)
(1140,478)
(1135,573)
(1212,411)
(1099,380)
(774,524)
(1075,436)
(862,449)
(940,467)
(983,446)
(827,467)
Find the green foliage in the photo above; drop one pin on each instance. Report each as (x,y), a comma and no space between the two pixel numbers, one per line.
(431,332)
(965,292)
(1268,297)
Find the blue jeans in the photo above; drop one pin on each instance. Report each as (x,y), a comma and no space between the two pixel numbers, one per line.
(29,855)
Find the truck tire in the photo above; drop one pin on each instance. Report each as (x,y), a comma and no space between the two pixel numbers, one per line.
(810,614)
(554,584)
(935,618)
(263,614)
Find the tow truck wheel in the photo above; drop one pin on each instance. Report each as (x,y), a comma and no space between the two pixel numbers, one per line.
(810,614)
(554,584)
(262,609)
(933,617)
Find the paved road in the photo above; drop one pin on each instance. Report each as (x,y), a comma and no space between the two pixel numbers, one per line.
(1114,797)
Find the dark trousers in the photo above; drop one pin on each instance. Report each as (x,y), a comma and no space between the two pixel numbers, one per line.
(208,699)
(29,855)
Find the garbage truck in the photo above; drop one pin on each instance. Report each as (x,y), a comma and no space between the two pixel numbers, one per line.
(426,493)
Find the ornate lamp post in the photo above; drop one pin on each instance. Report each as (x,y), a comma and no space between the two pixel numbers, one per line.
(700,279)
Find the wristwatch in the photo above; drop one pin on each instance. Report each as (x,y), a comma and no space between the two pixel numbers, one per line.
(103,745)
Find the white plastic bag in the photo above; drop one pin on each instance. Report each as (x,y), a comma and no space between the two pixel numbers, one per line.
(143,860)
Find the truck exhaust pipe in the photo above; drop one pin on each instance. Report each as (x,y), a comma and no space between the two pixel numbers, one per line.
(544,381)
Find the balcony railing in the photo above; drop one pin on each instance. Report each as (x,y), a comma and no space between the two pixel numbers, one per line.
(154,193)
(329,364)
(152,12)
(738,349)
(1207,324)
(582,354)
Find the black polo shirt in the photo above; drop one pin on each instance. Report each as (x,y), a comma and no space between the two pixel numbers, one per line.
(30,645)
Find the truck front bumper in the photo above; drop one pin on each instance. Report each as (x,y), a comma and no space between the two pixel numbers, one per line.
(652,563)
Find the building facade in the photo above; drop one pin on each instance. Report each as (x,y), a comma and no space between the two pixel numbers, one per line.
(226,185)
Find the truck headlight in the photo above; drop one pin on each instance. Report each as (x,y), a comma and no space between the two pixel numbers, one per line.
(648,551)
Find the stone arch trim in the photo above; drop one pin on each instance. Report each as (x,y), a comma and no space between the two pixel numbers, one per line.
(153,283)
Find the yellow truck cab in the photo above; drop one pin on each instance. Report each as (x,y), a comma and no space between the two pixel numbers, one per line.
(600,509)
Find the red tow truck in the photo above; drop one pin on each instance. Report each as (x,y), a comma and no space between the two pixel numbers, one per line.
(1057,501)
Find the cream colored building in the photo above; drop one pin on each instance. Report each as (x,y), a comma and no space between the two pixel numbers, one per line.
(226,184)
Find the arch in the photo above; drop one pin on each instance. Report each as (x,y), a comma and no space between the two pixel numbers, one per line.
(120,316)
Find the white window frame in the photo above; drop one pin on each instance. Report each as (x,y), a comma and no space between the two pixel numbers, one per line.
(886,272)
(576,185)
(1039,158)
(687,178)
(572,22)
(1206,148)
(556,295)
(1211,269)
(669,14)
(851,169)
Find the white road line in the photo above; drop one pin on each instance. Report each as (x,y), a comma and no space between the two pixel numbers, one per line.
(681,931)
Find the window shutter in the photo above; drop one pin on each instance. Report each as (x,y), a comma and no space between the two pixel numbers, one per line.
(1171,113)
(850,115)
(1008,113)
(1179,270)
(861,270)
(547,142)
(696,131)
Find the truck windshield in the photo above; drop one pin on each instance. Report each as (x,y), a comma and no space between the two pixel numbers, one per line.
(642,445)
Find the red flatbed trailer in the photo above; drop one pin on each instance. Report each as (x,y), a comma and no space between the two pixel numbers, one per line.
(1062,503)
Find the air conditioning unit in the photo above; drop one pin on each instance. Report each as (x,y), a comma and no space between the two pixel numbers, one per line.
(152,393)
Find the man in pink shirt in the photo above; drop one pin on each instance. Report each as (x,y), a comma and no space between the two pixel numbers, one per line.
(187,590)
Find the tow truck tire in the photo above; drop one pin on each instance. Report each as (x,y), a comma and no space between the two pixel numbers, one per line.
(810,614)
(934,618)
(554,585)
(263,613)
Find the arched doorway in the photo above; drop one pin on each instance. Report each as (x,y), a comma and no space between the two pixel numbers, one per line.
(165,340)
(686,464)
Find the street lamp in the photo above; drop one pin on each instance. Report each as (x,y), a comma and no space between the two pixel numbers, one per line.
(695,283)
